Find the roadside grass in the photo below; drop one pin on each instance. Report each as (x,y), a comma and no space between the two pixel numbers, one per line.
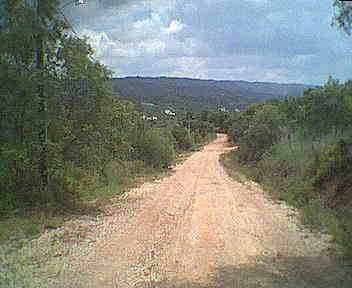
(15,269)
(19,259)
(198,145)
(284,173)
(28,224)
(18,265)
(233,168)
(120,178)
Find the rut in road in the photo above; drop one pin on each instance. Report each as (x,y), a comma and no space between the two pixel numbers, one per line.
(199,228)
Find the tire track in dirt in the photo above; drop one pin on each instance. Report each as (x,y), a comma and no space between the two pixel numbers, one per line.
(199,228)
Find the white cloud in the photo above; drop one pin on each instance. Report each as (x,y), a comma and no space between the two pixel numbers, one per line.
(174,27)
(105,47)
(146,28)
(152,46)
(255,40)
(159,47)
(192,66)
(299,60)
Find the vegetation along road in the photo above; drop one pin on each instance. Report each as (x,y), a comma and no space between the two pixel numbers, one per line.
(199,228)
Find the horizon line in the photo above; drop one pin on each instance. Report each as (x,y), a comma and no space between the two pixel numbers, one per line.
(209,79)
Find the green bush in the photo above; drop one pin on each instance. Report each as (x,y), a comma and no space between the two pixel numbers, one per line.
(290,171)
(184,140)
(67,184)
(284,167)
(332,168)
(156,148)
(121,172)
(17,177)
(318,218)
(255,141)
(303,156)
(342,231)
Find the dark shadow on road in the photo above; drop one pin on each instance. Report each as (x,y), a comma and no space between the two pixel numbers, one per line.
(268,272)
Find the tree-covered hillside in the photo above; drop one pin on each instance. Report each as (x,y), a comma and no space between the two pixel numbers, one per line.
(197,95)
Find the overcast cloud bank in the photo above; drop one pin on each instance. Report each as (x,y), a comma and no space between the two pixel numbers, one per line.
(253,40)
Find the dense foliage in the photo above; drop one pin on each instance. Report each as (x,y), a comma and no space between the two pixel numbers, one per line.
(343,16)
(64,134)
(300,149)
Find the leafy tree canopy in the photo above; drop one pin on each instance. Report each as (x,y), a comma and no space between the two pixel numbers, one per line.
(343,18)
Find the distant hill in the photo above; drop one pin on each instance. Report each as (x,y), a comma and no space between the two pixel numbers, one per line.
(196,95)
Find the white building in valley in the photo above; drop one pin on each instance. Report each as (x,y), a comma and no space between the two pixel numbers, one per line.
(169,112)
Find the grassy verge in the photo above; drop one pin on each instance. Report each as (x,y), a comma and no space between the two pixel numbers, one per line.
(284,173)
(28,224)
(232,167)
(197,146)
(19,262)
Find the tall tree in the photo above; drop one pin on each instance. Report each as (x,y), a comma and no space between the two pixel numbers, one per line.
(343,17)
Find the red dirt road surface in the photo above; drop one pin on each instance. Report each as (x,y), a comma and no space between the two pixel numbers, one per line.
(200,228)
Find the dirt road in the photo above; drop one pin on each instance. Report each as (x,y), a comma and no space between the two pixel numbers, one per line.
(199,228)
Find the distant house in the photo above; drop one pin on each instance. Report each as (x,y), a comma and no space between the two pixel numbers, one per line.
(152,118)
(147,104)
(223,109)
(169,112)
(81,2)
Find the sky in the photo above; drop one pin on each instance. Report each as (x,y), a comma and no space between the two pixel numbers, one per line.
(286,41)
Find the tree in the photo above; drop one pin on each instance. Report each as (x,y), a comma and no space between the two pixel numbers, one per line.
(343,18)
(46,120)
(30,33)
